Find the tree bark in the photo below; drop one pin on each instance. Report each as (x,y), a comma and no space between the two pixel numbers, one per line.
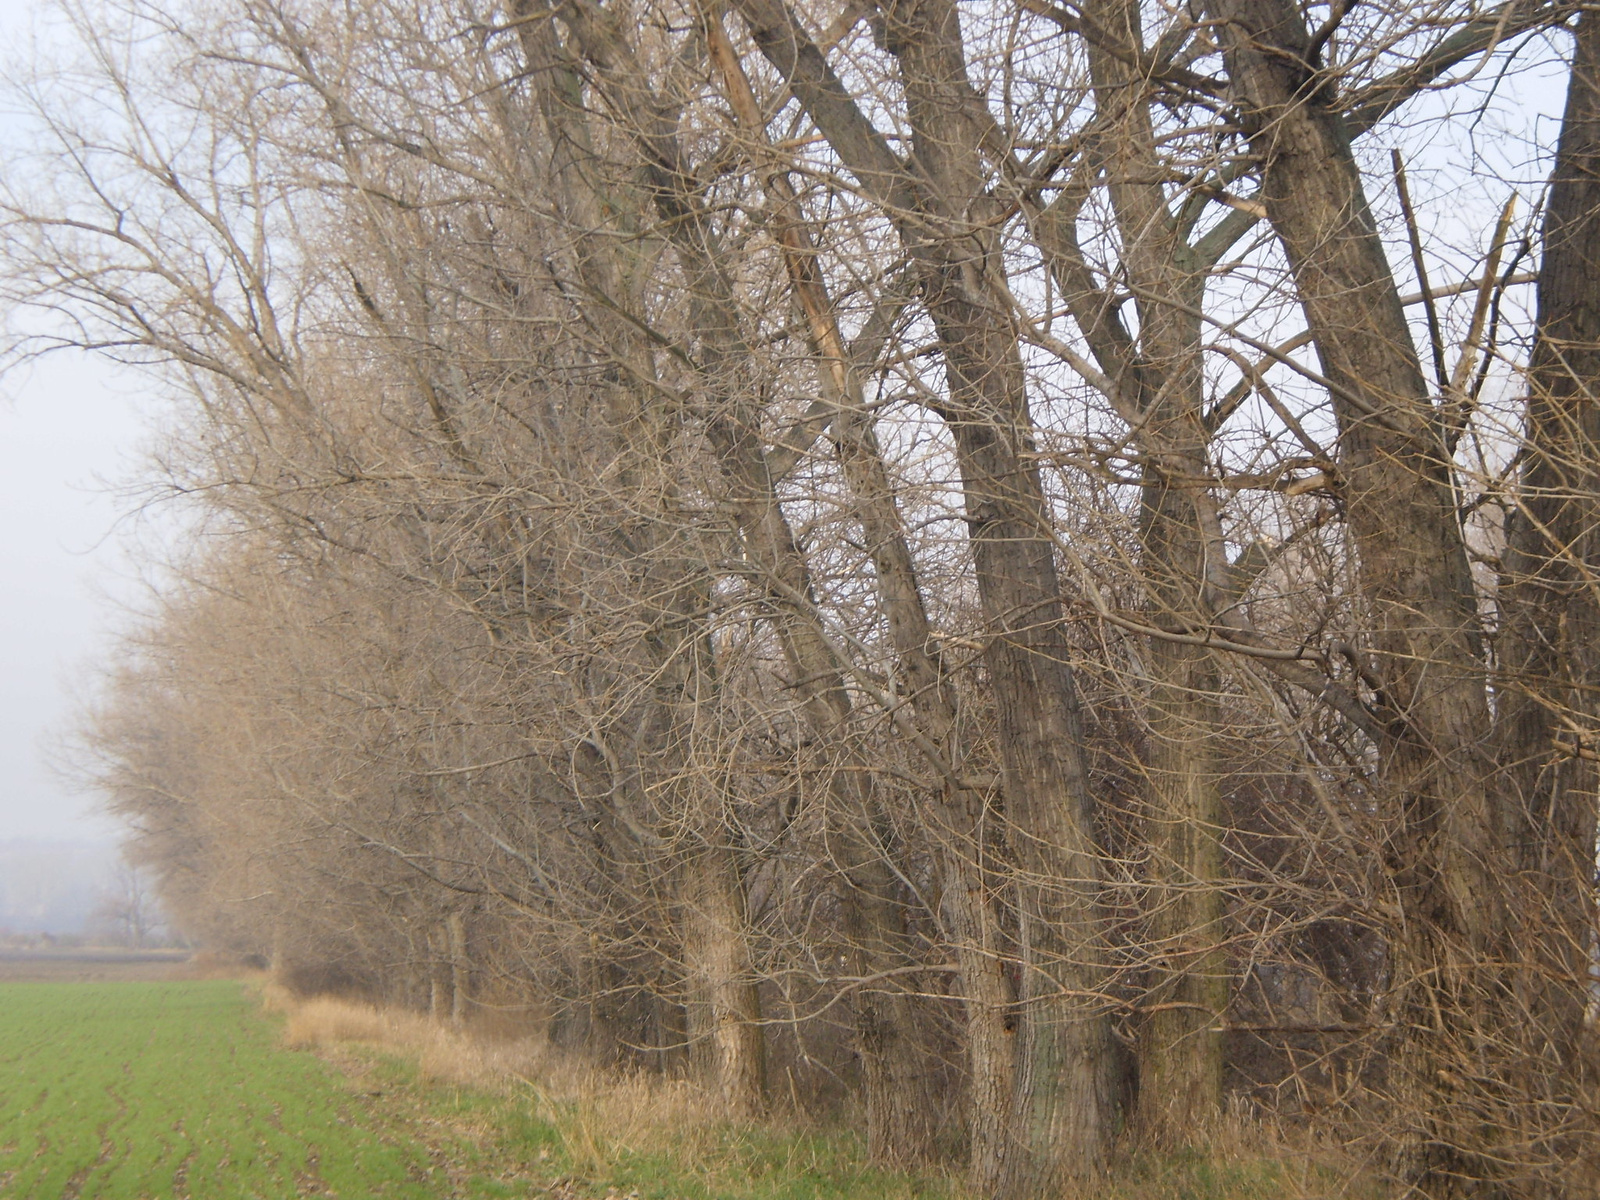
(460,972)
(1064,1108)
(1549,642)
(1413,576)
(722,979)
(1065,1097)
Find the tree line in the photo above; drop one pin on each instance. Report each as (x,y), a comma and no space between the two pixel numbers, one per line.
(1028,567)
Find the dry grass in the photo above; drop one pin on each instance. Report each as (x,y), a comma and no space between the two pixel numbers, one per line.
(601,1117)
(606,1125)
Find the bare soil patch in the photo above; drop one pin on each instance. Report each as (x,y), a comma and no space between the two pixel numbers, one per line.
(91,965)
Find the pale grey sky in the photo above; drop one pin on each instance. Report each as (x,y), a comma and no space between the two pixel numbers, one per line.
(64,425)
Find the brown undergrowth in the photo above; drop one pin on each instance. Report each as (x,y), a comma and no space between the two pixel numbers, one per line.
(600,1118)
(587,1131)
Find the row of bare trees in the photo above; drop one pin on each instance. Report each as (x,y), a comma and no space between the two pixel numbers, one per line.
(1030,567)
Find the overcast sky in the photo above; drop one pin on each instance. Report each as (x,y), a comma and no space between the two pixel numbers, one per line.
(65,425)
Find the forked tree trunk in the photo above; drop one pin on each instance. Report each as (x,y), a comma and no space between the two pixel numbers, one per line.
(722,1009)
(1179,1049)
(887,1031)
(957,827)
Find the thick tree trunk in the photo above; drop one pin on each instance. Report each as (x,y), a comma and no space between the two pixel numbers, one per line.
(1414,580)
(1179,1050)
(957,825)
(437,1005)
(1065,1097)
(1549,643)
(1180,1042)
(722,979)
(956,828)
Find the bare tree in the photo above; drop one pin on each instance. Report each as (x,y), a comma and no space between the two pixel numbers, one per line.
(908,543)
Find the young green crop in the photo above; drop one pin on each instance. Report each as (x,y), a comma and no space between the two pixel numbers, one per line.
(123,1091)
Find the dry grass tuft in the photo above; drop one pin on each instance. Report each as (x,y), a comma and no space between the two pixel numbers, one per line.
(1243,1154)
(328,1020)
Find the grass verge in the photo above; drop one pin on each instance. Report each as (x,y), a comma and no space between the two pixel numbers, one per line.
(574,1133)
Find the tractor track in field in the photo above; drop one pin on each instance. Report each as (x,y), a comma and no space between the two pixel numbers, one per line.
(108,1144)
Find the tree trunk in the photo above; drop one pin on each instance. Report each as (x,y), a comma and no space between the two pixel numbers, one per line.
(437,1005)
(1065,1095)
(1180,1042)
(1064,1105)
(723,1005)
(1549,643)
(1179,1049)
(723,981)
(1413,576)
(460,973)
(887,1034)
(956,829)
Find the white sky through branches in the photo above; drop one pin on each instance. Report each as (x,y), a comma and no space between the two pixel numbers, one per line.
(71,425)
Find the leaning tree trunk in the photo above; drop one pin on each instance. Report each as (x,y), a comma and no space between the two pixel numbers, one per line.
(1065,1098)
(1413,577)
(888,1032)
(955,826)
(1549,645)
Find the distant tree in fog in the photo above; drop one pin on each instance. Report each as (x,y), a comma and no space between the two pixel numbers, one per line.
(127,911)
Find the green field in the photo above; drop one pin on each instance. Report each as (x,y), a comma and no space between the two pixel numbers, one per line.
(120,1091)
